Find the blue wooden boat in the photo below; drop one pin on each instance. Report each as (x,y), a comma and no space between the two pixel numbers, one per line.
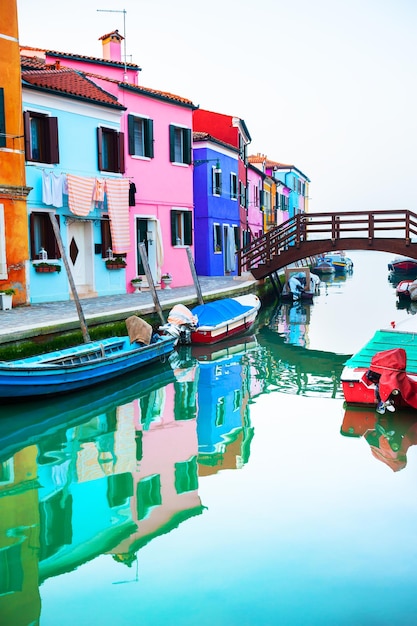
(79,367)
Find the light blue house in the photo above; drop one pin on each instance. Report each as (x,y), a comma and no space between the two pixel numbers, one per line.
(74,165)
(293,185)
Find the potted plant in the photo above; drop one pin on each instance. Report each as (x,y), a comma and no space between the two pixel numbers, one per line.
(44,267)
(6,297)
(166,280)
(136,283)
(116,263)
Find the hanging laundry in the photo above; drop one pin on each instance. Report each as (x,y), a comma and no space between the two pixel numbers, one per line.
(132,191)
(46,187)
(117,190)
(80,194)
(57,185)
(98,194)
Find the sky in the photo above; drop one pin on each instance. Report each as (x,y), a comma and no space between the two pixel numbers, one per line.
(329,86)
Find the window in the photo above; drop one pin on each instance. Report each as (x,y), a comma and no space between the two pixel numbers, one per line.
(179,144)
(242,194)
(233,186)
(220,412)
(11,570)
(148,495)
(6,472)
(3,261)
(186,476)
(106,240)
(217,238)
(256,196)
(41,137)
(237,237)
(42,236)
(140,131)
(216,177)
(110,150)
(181,228)
(2,120)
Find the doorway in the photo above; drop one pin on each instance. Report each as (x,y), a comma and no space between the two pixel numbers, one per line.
(146,234)
(80,256)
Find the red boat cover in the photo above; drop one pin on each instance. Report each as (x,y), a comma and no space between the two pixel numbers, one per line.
(391,364)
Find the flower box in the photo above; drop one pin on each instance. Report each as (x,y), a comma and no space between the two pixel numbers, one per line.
(118,263)
(45,268)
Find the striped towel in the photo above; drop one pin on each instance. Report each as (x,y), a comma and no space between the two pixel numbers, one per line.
(117,190)
(80,194)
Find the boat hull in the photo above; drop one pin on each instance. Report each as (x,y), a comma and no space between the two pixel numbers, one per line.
(79,367)
(233,327)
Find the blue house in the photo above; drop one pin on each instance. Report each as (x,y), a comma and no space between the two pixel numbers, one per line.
(216,205)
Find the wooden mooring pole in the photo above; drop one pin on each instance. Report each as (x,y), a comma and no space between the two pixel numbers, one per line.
(144,257)
(83,323)
(195,277)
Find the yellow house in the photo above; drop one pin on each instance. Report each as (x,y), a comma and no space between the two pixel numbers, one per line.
(14,238)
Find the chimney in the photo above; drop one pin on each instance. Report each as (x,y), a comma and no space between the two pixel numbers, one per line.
(112,48)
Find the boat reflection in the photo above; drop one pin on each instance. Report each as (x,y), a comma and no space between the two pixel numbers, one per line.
(389,436)
(291,367)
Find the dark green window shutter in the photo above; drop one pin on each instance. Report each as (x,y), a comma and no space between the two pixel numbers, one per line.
(187,146)
(26,125)
(120,138)
(174,228)
(149,139)
(52,139)
(171,143)
(188,228)
(2,120)
(100,147)
(130,132)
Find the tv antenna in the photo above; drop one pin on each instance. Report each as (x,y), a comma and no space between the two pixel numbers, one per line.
(124,29)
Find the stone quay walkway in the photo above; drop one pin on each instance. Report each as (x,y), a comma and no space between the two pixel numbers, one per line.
(24,322)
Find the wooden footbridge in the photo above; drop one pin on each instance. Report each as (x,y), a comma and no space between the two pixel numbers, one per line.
(310,234)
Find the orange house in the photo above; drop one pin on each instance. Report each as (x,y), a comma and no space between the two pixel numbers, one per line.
(14,244)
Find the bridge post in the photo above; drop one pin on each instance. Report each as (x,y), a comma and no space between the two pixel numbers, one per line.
(407,228)
(371,228)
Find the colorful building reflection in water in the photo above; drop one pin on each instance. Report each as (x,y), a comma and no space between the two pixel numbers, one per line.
(110,469)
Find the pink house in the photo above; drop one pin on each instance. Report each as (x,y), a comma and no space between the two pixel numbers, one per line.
(155,137)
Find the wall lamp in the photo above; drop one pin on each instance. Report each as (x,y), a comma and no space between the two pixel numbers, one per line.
(201,161)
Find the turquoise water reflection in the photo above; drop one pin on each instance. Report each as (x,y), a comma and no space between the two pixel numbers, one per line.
(231,486)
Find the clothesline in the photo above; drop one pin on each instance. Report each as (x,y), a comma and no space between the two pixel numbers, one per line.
(85,194)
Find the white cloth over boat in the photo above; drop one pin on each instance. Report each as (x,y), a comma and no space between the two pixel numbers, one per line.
(179,315)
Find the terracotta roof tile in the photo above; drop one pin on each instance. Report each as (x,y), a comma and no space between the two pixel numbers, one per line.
(70,82)
(202,136)
(31,62)
(141,89)
(71,55)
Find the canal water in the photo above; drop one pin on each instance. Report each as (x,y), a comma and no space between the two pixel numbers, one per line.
(229,487)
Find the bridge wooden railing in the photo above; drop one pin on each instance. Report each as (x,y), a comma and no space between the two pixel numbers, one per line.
(363,227)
